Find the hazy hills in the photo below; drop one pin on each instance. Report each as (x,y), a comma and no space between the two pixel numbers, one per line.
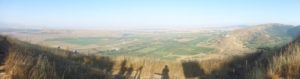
(264,35)
(294,31)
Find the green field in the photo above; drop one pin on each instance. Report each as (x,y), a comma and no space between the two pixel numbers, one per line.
(84,41)
(164,46)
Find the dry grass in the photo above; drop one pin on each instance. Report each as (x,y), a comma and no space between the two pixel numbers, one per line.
(281,64)
(25,61)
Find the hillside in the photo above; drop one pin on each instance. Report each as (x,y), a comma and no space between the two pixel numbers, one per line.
(28,61)
(294,31)
(268,63)
(264,35)
(282,63)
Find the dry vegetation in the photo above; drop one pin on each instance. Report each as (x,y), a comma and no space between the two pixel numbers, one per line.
(27,61)
(280,64)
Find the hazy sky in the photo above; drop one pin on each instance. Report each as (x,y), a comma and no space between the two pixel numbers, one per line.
(145,13)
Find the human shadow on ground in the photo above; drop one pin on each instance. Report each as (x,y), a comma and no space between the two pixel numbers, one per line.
(165,73)
(124,72)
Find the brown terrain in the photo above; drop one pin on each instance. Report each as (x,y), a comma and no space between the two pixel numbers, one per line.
(27,61)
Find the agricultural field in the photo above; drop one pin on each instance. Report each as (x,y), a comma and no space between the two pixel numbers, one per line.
(151,44)
(162,44)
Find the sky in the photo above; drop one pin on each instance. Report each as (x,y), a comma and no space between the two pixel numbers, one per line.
(147,13)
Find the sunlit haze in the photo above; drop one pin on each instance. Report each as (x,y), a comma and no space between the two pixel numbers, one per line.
(92,14)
